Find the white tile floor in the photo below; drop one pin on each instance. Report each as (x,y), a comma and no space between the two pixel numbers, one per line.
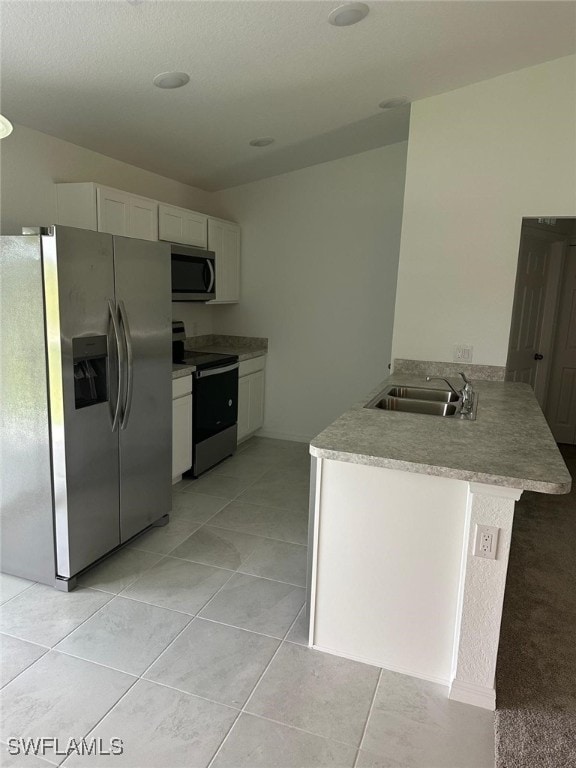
(190,646)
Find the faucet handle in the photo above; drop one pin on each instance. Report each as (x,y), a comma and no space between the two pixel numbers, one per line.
(466,380)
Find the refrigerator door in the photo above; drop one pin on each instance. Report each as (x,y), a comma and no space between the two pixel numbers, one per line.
(143,294)
(27,528)
(83,392)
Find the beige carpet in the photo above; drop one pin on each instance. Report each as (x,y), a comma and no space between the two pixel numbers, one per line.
(536,676)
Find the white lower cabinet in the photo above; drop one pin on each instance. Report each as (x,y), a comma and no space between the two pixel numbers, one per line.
(181,426)
(250,396)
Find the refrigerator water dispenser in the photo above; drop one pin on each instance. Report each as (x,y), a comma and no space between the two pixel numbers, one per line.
(90,355)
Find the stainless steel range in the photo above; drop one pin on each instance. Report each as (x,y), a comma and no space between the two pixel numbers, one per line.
(214,402)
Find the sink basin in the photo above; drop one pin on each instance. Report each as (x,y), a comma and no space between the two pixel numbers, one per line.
(430,407)
(421,393)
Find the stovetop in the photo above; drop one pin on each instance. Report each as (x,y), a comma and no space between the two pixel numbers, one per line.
(204,359)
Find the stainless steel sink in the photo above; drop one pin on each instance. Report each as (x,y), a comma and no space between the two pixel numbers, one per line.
(421,393)
(416,406)
(424,400)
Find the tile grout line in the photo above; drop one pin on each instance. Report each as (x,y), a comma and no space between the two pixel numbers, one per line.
(52,647)
(218,567)
(136,680)
(192,618)
(230,478)
(236,530)
(96,724)
(303,730)
(9,600)
(46,650)
(243,710)
(32,642)
(109,558)
(368,718)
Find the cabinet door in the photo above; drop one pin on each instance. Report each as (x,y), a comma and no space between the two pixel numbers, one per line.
(243,407)
(113,211)
(177,225)
(256,401)
(76,205)
(224,240)
(181,435)
(143,218)
(195,229)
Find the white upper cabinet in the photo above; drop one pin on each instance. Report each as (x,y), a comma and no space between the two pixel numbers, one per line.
(121,213)
(90,206)
(143,218)
(177,225)
(113,209)
(224,240)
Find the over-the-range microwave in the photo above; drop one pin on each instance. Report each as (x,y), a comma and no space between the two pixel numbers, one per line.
(193,273)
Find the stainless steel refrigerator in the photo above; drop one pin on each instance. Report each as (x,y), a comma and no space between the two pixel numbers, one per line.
(86,398)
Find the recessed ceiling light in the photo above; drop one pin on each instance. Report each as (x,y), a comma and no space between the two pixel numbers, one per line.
(171,79)
(265,141)
(347,14)
(6,127)
(391,103)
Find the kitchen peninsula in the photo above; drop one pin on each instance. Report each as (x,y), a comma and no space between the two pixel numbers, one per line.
(396,500)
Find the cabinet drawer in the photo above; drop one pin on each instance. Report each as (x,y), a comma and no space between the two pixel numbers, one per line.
(181,386)
(252,365)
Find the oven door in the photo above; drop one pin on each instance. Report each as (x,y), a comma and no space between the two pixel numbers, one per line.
(193,274)
(215,401)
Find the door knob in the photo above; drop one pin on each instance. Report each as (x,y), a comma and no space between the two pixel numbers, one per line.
(538,356)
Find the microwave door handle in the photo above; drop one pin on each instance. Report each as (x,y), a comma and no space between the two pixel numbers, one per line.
(212,276)
(119,366)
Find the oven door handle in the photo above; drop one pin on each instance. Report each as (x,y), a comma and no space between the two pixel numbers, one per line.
(216,371)
(212,276)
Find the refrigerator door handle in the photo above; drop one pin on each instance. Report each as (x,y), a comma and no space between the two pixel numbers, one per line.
(129,367)
(120,360)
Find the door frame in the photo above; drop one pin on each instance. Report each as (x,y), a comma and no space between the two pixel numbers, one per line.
(559,243)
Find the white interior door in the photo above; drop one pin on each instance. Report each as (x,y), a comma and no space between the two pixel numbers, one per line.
(561,405)
(533,302)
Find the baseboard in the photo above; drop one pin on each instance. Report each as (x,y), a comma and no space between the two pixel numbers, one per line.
(470,693)
(390,667)
(284,436)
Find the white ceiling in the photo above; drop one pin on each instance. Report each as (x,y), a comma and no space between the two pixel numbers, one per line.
(83,71)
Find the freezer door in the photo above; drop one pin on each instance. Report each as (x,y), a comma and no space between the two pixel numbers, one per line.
(143,295)
(27,532)
(83,390)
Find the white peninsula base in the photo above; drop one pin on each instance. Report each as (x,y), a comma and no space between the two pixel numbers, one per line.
(393,581)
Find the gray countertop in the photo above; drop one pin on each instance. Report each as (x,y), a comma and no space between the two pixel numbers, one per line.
(243,352)
(509,444)
(178,371)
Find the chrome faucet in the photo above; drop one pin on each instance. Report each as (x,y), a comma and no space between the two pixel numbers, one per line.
(466,394)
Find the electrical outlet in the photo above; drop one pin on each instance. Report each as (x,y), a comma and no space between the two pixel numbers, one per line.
(486,541)
(462,353)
